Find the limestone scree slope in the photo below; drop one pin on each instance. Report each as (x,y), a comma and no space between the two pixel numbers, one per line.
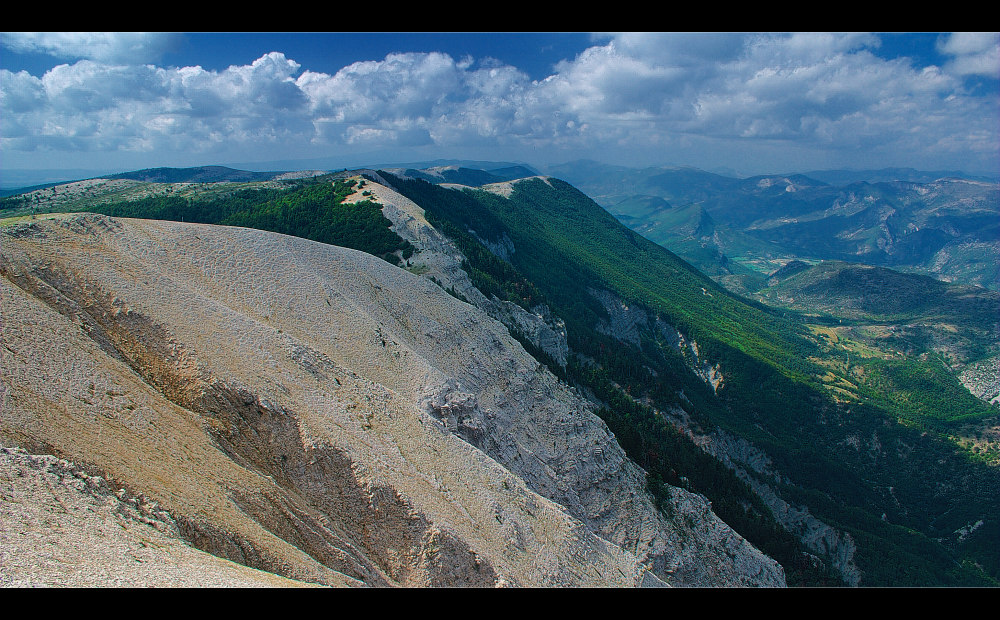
(260,401)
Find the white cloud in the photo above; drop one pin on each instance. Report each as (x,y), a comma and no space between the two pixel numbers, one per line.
(92,107)
(633,92)
(19,93)
(973,53)
(401,86)
(963,43)
(825,90)
(112,47)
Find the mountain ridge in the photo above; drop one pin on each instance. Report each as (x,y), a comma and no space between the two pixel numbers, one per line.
(527,245)
(515,214)
(222,381)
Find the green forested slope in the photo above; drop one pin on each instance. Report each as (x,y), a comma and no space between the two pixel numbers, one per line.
(945,227)
(899,339)
(314,210)
(851,463)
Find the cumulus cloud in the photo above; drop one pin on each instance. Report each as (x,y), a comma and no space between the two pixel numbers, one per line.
(112,47)
(638,91)
(973,53)
(95,106)
(401,86)
(825,90)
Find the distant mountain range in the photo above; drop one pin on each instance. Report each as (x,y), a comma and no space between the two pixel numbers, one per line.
(200,174)
(739,231)
(460,175)
(845,177)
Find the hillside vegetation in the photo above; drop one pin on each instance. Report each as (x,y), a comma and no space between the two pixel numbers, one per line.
(907,341)
(313,210)
(740,230)
(773,391)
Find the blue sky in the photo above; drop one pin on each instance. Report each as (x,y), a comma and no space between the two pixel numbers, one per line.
(748,102)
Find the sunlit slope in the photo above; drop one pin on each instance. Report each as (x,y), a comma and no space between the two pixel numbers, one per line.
(902,494)
(904,339)
(566,244)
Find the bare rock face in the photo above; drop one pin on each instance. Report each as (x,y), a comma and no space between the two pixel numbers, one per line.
(319,414)
(626,322)
(60,526)
(589,465)
(837,546)
(441,261)
(982,379)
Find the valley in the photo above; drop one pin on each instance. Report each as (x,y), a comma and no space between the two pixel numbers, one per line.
(739,231)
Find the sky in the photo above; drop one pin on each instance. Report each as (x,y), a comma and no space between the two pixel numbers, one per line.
(747,103)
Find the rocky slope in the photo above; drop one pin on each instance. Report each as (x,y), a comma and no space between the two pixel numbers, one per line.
(983,379)
(319,414)
(60,526)
(626,323)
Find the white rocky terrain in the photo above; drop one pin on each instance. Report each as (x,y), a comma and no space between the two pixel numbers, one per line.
(233,399)
(60,526)
(983,379)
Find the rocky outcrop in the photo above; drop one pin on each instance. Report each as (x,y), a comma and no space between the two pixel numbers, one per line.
(755,468)
(982,379)
(441,261)
(629,322)
(438,259)
(319,414)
